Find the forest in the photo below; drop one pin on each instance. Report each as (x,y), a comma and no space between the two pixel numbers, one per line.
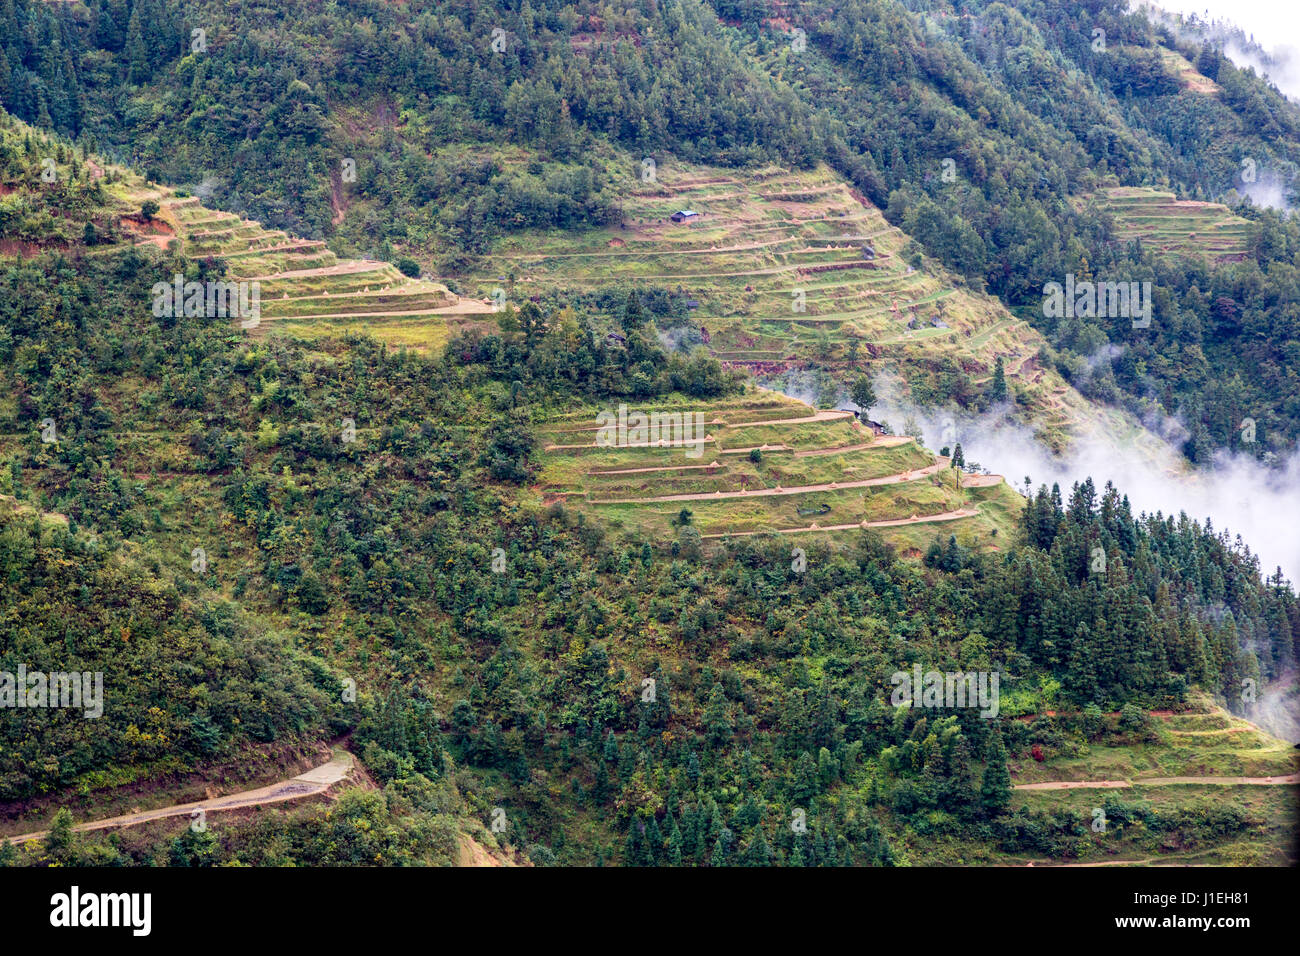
(778,704)
(197,528)
(457,143)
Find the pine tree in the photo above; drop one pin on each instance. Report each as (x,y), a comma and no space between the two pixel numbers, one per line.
(995,791)
(998,391)
(136,52)
(758,853)
(633,316)
(654,842)
(717,719)
(674,854)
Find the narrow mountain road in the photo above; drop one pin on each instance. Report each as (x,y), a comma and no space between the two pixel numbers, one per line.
(826,415)
(463,307)
(641,471)
(881,441)
(661,443)
(314,781)
(347,267)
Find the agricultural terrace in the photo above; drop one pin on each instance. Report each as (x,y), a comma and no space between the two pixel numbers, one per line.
(767,463)
(781,267)
(306,290)
(1172,226)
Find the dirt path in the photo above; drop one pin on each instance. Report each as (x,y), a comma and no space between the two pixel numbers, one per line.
(347,267)
(797,490)
(302,245)
(826,415)
(314,781)
(595,428)
(411,287)
(891,523)
(881,441)
(662,443)
(641,471)
(1162,782)
(942,516)
(748,448)
(463,307)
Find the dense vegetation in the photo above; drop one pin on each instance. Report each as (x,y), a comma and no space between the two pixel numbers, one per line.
(1013,95)
(183,508)
(371,560)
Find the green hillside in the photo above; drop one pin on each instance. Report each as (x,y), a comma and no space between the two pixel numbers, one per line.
(1158,220)
(375,551)
(392,129)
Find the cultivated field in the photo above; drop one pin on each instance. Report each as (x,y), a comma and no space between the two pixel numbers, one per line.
(1168,225)
(305,288)
(777,265)
(780,269)
(766,463)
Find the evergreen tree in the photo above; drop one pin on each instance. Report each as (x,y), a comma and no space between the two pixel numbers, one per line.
(633,316)
(758,853)
(717,718)
(998,390)
(137,53)
(995,790)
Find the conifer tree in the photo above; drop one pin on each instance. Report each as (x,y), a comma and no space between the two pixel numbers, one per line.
(998,390)
(995,791)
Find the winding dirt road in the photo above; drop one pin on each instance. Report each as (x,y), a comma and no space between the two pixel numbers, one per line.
(881,441)
(314,781)
(825,415)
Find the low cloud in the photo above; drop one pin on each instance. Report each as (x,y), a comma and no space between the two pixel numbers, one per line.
(1237,494)
(1270,190)
(1253,33)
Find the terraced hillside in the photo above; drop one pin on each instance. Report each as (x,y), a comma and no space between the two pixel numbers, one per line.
(1181,227)
(767,463)
(777,265)
(305,288)
(782,267)
(1188,76)
(1199,763)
